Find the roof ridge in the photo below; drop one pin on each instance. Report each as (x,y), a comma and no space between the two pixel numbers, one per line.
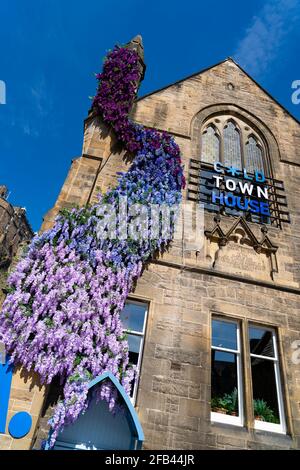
(216,65)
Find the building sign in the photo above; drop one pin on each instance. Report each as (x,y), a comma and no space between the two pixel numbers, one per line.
(233,191)
(241,191)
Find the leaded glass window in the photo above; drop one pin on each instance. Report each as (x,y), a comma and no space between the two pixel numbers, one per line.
(210,145)
(253,155)
(232,145)
(231,141)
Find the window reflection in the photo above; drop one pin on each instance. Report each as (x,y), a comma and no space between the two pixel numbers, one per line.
(265,402)
(224,334)
(132,316)
(224,383)
(261,342)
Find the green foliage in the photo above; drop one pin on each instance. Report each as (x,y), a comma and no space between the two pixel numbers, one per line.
(72,401)
(49,322)
(229,402)
(9,290)
(123,337)
(78,359)
(215,403)
(75,377)
(263,412)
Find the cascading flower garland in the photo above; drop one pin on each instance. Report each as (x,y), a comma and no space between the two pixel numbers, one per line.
(61,315)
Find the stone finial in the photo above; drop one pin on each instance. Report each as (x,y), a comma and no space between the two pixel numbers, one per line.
(136,44)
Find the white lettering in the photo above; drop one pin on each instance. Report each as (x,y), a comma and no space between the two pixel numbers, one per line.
(117,460)
(230,185)
(218,167)
(246,188)
(262,192)
(2,92)
(138,222)
(296,94)
(218,180)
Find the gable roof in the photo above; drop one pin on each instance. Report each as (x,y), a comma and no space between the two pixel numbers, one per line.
(228,59)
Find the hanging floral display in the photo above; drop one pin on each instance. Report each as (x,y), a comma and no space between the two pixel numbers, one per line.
(61,316)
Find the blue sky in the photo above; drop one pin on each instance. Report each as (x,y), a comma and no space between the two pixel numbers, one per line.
(50,50)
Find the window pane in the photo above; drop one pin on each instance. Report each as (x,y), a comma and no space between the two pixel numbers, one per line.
(132,316)
(265,401)
(134,343)
(224,384)
(232,146)
(210,146)
(224,334)
(253,156)
(261,342)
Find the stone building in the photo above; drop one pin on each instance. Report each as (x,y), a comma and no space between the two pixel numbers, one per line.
(14,231)
(216,325)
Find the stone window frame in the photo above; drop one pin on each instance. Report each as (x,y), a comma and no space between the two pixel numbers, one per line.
(247,411)
(142,335)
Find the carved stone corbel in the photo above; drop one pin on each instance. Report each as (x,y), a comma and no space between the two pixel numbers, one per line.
(261,245)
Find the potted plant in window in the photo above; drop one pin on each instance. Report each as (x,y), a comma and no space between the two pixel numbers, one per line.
(217,405)
(228,404)
(230,401)
(262,412)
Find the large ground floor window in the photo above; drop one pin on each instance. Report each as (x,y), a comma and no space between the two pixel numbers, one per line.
(226,373)
(228,367)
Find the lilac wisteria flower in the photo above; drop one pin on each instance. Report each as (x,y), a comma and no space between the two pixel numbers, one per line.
(62,315)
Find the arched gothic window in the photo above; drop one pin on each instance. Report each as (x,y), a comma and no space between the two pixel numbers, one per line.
(234,143)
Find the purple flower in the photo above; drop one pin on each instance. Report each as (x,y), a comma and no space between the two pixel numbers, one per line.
(63,314)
